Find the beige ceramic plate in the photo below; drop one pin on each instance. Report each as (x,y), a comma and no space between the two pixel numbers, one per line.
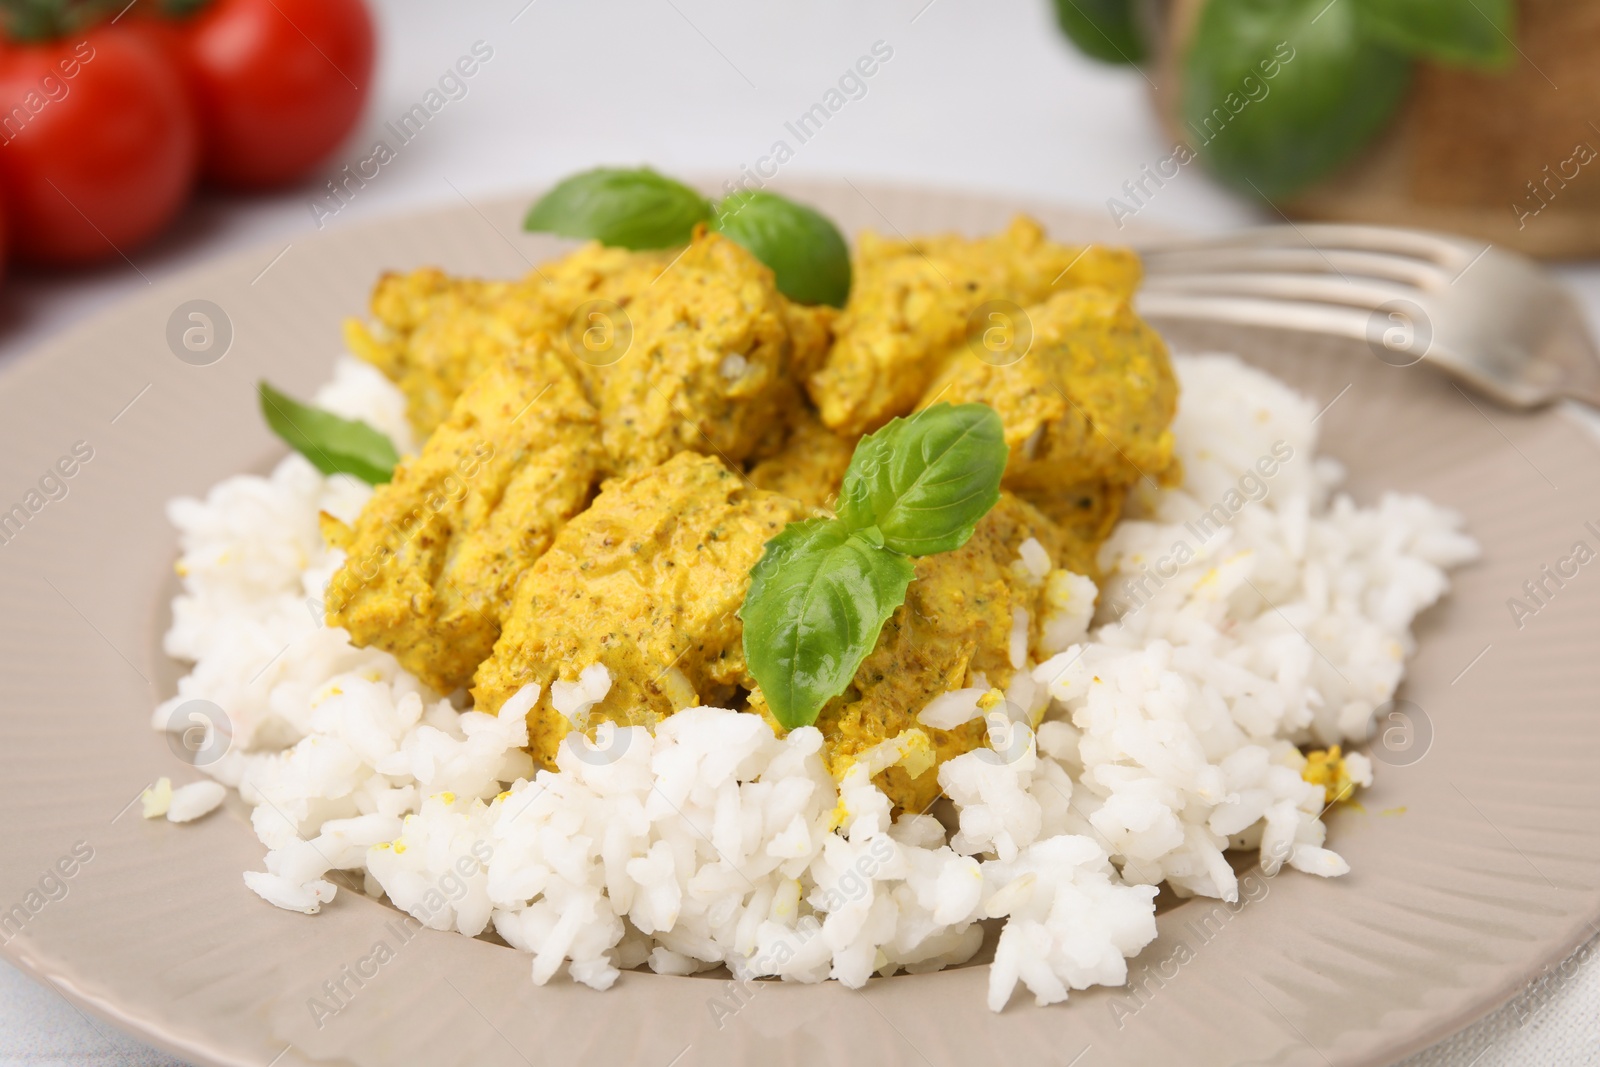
(1486,870)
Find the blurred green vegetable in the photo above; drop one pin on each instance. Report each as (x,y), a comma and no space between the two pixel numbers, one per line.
(1468,32)
(1104,29)
(1275,133)
(1279,93)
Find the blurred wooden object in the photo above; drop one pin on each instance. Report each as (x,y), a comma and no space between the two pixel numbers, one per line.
(1512,157)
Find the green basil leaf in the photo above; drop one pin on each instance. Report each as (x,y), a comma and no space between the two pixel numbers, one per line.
(334,445)
(1102,29)
(806,252)
(818,599)
(823,588)
(635,209)
(1278,93)
(1469,32)
(924,482)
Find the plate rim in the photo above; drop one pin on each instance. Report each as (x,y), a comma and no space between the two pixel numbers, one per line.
(23,371)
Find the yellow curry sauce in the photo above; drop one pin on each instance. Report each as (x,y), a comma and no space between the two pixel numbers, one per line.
(646,582)
(433,557)
(913,300)
(566,511)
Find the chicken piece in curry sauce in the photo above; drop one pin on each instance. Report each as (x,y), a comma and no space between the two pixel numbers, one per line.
(646,582)
(911,300)
(715,305)
(811,464)
(1087,411)
(954,629)
(433,557)
(706,429)
(432,334)
(710,367)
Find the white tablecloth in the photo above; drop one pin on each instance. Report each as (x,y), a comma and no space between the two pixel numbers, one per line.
(974,95)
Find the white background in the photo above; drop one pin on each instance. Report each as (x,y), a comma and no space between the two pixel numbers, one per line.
(984,96)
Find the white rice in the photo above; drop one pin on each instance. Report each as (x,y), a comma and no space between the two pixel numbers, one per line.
(191,801)
(184,804)
(1136,753)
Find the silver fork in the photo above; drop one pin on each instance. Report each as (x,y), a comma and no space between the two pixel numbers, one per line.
(1492,318)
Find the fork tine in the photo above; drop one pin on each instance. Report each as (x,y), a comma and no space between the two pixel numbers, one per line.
(1423,275)
(1283,314)
(1448,253)
(1305,289)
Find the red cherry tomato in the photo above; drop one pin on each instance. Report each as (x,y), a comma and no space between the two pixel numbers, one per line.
(98,144)
(278,84)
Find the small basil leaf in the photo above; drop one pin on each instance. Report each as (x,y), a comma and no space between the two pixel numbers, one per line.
(1468,32)
(334,445)
(924,482)
(818,598)
(806,252)
(1102,29)
(1278,93)
(635,209)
